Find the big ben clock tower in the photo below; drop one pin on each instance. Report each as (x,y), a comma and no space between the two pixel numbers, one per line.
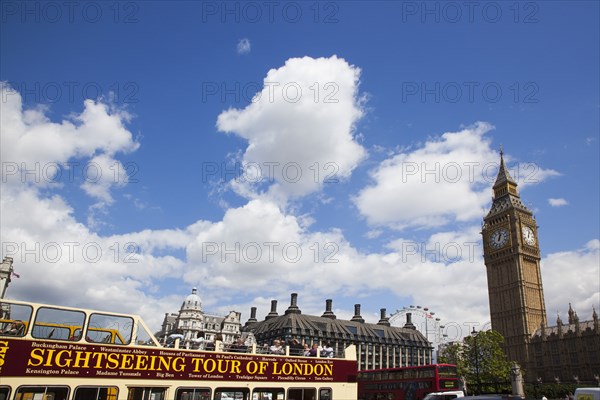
(512,259)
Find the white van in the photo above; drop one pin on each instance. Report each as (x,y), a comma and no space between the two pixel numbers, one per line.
(444,395)
(587,393)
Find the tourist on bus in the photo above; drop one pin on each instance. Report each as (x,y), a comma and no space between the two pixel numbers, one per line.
(173,337)
(213,345)
(276,348)
(314,351)
(295,347)
(198,341)
(327,350)
(306,350)
(239,346)
(16,328)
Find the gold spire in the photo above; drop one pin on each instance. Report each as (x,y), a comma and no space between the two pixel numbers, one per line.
(504,184)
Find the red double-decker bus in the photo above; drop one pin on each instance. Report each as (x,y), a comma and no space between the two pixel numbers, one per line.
(407,383)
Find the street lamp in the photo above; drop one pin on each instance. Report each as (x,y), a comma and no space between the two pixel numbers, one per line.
(474,334)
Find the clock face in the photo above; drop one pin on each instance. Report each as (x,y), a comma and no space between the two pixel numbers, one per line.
(499,238)
(528,235)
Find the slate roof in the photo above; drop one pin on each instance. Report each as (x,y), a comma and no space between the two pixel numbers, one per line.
(309,325)
(505,203)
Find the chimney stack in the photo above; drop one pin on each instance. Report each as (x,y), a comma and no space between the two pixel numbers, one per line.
(409,324)
(383,319)
(293,308)
(357,317)
(252,318)
(328,312)
(273,312)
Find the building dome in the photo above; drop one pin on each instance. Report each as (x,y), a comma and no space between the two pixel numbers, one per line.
(192,301)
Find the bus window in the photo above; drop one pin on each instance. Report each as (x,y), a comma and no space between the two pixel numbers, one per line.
(4,392)
(425,373)
(145,393)
(54,323)
(14,319)
(268,394)
(106,328)
(95,393)
(42,393)
(325,394)
(143,337)
(192,394)
(302,394)
(447,371)
(232,394)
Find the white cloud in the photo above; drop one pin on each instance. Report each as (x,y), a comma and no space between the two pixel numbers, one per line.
(448,179)
(132,267)
(83,146)
(299,129)
(527,174)
(243,46)
(373,233)
(59,259)
(440,182)
(225,254)
(572,277)
(557,202)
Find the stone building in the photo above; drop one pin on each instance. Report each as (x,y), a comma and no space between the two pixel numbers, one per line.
(378,345)
(191,321)
(516,296)
(567,352)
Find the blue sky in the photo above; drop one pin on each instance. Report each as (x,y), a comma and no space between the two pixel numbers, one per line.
(136,114)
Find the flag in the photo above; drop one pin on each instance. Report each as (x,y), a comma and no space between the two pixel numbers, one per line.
(15,274)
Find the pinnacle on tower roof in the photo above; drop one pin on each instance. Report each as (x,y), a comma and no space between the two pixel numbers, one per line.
(503,174)
(572,315)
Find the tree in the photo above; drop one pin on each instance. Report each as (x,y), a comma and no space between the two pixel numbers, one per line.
(452,354)
(480,360)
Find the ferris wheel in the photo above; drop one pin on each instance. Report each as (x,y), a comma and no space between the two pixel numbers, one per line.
(424,320)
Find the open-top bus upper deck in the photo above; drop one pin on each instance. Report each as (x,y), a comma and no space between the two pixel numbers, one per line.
(60,353)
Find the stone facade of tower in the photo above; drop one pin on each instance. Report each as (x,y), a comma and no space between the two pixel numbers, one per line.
(512,259)
(565,352)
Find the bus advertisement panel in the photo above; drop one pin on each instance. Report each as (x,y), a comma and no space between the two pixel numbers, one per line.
(47,358)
